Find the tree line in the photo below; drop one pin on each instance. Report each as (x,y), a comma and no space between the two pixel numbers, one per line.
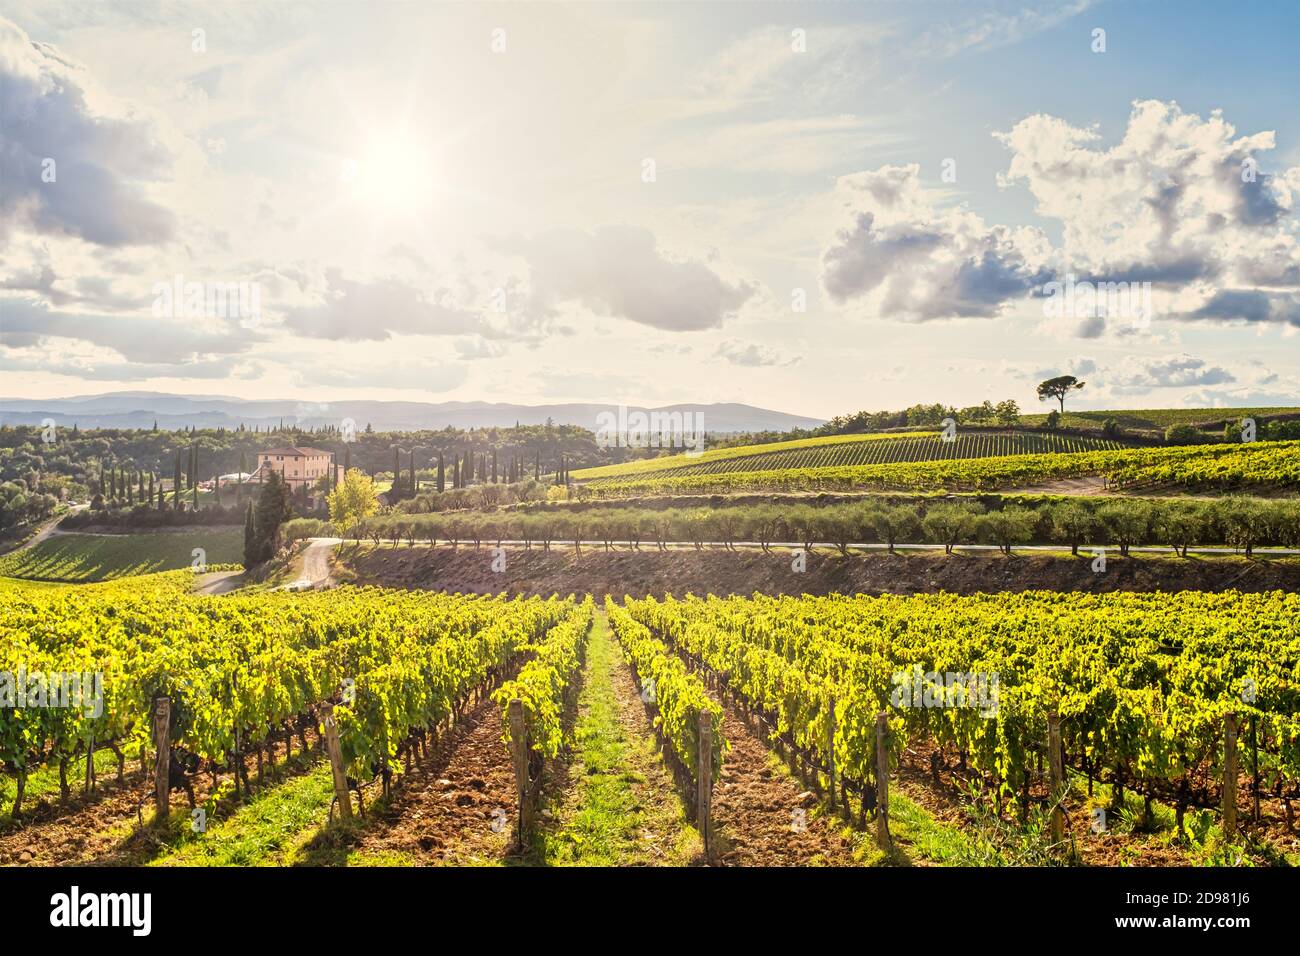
(1238,522)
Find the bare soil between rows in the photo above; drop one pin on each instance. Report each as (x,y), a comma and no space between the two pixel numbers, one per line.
(458,806)
(638,573)
(101,828)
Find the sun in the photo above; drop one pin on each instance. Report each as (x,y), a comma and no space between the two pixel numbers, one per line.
(394,172)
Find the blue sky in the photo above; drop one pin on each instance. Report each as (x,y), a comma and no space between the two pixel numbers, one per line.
(815,207)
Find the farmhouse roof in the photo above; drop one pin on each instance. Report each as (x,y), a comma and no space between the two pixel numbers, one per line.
(296,452)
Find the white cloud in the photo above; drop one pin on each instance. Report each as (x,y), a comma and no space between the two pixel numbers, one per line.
(353,310)
(1179,201)
(753,355)
(620,271)
(915,262)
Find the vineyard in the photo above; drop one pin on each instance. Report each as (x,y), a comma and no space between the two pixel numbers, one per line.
(1212,467)
(1139,690)
(852,451)
(1140,686)
(388,668)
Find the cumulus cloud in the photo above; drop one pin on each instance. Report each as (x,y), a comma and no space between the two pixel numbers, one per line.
(1135,374)
(99,160)
(619,271)
(1180,201)
(1248,305)
(751,355)
(356,311)
(917,263)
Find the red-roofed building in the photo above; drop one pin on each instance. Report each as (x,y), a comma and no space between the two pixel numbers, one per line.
(300,467)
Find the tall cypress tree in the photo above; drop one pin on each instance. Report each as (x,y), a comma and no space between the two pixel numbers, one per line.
(441,477)
(251,548)
(537,467)
(412,472)
(176,483)
(397,474)
(494,466)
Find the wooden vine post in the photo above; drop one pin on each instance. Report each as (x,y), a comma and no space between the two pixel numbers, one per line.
(1230,775)
(704,766)
(882,781)
(1056,771)
(519,756)
(162,717)
(830,749)
(335,750)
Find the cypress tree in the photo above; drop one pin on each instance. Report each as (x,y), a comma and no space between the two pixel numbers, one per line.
(494,466)
(251,550)
(537,467)
(413,486)
(176,483)
(239,485)
(441,477)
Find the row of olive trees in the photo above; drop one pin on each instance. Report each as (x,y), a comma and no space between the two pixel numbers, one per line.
(1243,523)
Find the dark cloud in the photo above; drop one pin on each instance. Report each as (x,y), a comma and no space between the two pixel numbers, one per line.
(1249,305)
(98,160)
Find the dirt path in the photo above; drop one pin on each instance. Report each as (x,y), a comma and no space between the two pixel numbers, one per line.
(456,808)
(762,815)
(101,829)
(315,571)
(219,582)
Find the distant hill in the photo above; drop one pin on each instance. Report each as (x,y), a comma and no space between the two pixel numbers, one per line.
(142,409)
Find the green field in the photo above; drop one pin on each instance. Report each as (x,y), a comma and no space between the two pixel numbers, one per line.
(1156,420)
(88,557)
(848,451)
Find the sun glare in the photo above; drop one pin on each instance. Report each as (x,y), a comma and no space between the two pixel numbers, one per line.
(394,172)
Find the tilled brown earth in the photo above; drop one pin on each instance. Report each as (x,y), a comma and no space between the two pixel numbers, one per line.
(101,829)
(456,807)
(638,573)
(761,816)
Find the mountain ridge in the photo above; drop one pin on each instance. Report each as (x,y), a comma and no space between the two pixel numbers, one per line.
(174,411)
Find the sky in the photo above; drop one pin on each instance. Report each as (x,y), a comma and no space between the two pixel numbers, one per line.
(816,208)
